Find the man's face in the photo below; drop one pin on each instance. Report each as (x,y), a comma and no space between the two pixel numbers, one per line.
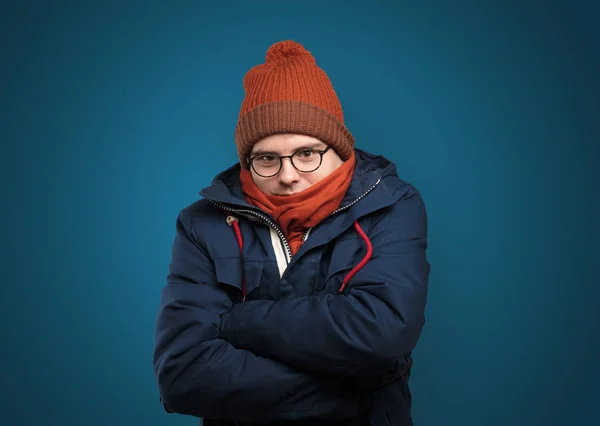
(289,180)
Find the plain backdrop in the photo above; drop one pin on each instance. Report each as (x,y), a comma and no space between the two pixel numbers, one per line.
(113,115)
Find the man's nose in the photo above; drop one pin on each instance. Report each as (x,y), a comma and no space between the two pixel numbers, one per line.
(288,173)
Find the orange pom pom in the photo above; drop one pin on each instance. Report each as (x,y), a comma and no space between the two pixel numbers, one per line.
(285,49)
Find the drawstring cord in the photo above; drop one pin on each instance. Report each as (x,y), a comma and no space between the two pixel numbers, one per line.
(364,260)
(233,221)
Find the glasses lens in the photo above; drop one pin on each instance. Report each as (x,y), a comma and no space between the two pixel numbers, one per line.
(307,161)
(266,165)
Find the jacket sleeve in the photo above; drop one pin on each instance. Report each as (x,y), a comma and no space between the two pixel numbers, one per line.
(202,375)
(364,332)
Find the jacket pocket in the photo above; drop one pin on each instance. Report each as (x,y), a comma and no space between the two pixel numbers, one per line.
(337,261)
(229,272)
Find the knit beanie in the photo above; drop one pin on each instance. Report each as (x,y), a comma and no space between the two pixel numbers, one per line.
(289,93)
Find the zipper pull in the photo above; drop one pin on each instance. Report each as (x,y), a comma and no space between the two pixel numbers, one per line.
(230,219)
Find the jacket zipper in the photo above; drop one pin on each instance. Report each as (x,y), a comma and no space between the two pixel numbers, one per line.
(264,219)
(347,206)
(305,236)
(276,228)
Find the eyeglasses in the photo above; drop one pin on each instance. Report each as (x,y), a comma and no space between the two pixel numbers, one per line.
(305,161)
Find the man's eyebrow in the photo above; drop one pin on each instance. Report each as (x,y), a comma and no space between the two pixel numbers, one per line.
(315,145)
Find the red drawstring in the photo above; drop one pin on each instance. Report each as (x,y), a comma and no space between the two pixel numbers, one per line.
(365,259)
(232,221)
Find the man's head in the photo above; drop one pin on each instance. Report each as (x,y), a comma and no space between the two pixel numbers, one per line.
(285,164)
(290,104)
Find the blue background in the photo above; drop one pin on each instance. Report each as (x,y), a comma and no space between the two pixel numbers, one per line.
(114,116)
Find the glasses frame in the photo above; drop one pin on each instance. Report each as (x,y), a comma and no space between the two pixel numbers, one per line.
(321,152)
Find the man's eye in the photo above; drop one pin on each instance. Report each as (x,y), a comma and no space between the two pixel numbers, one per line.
(266,158)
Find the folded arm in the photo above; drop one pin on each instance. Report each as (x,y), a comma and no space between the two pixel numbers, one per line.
(201,374)
(364,332)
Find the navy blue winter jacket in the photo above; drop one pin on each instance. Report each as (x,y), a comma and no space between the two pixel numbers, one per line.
(254,335)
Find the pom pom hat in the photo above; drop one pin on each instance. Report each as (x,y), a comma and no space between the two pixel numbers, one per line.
(289,93)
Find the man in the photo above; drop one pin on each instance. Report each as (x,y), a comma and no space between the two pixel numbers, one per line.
(297,286)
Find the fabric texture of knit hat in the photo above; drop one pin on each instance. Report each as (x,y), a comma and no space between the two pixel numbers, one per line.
(289,93)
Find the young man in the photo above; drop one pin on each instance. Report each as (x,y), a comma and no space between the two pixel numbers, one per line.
(297,286)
